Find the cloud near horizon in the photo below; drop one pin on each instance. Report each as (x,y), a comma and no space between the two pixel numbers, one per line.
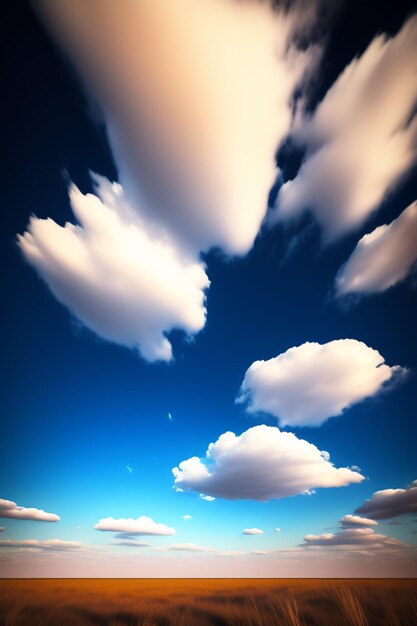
(354,537)
(10,510)
(381,258)
(308,384)
(252,531)
(140,526)
(46,544)
(114,276)
(262,463)
(389,503)
(361,139)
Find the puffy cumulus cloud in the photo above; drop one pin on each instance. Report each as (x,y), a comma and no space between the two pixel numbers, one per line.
(120,280)
(195,108)
(47,544)
(389,503)
(9,509)
(352,521)
(140,526)
(310,383)
(382,258)
(360,140)
(360,537)
(277,530)
(260,464)
(252,531)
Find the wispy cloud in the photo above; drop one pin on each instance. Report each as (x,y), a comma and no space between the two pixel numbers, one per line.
(360,140)
(382,258)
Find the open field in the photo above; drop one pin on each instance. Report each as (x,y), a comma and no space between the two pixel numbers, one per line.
(234,602)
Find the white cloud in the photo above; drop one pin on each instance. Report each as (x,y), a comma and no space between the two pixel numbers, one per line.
(350,521)
(389,503)
(115,276)
(129,468)
(260,464)
(9,509)
(47,544)
(382,258)
(186,547)
(141,526)
(361,139)
(197,144)
(277,530)
(310,383)
(363,537)
(252,531)
(186,517)
(202,496)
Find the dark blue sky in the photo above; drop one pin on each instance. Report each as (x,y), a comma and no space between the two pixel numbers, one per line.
(77,409)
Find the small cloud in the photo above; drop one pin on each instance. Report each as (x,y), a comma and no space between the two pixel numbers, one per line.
(171,419)
(277,530)
(350,521)
(203,497)
(390,503)
(186,547)
(381,258)
(9,509)
(186,517)
(141,526)
(129,468)
(252,531)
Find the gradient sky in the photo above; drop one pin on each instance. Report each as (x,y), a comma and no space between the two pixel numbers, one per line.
(98,407)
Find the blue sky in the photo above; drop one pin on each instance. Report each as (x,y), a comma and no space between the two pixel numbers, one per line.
(80,410)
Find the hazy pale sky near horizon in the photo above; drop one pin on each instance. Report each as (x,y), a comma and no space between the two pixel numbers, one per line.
(209,251)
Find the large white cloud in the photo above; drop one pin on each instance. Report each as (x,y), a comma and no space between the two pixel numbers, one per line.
(46,544)
(360,140)
(389,503)
(382,258)
(260,464)
(119,279)
(307,384)
(140,526)
(195,106)
(9,509)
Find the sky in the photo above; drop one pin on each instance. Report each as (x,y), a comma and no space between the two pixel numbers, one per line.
(208,248)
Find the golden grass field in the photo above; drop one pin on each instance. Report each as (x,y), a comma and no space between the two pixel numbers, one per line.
(234,602)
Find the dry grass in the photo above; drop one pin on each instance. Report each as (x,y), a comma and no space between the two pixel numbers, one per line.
(205,602)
